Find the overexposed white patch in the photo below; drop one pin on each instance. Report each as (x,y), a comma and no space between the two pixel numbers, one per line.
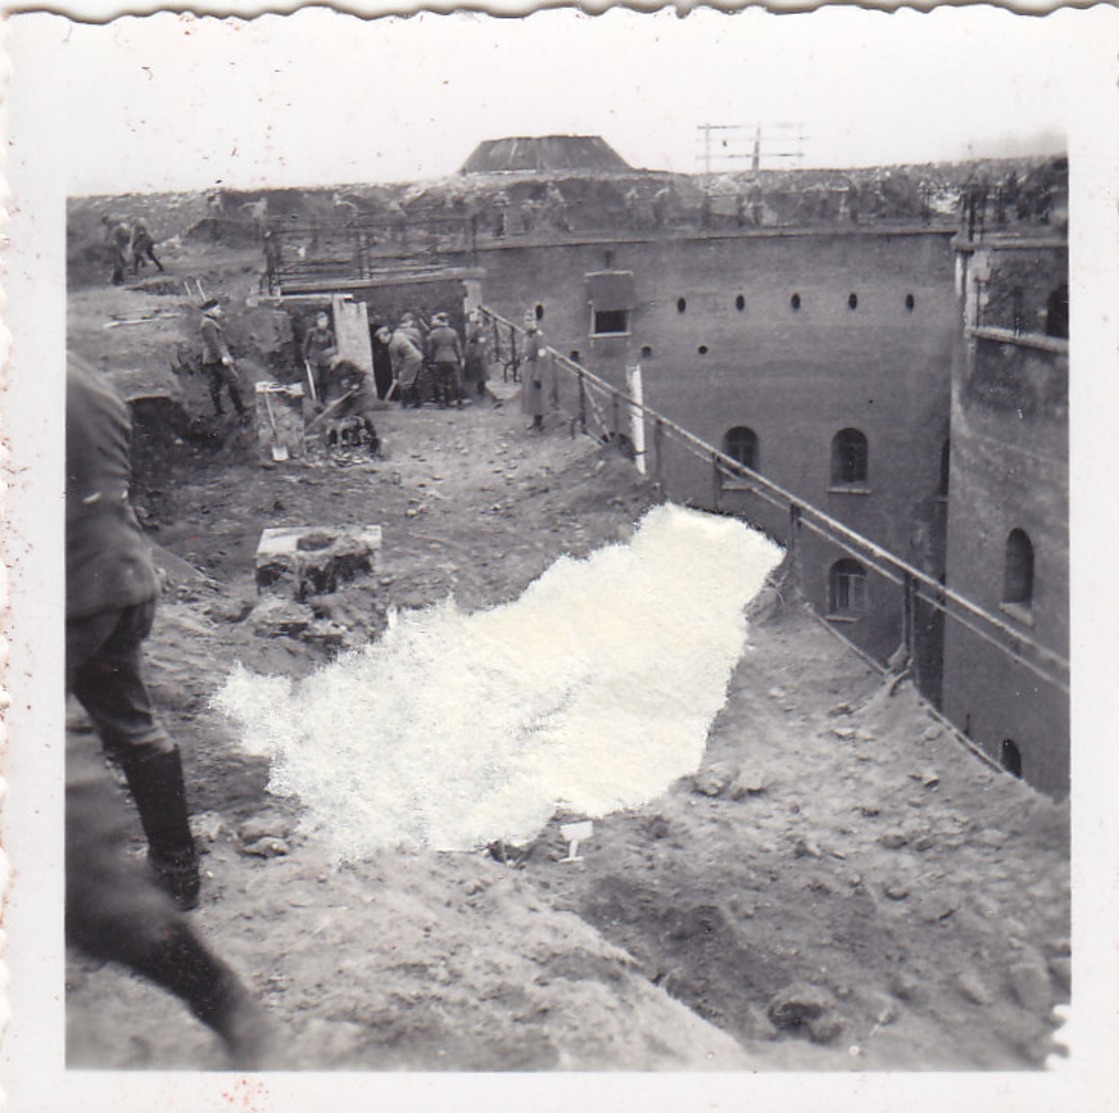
(595,691)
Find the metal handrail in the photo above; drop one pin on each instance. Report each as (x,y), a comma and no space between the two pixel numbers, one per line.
(939,596)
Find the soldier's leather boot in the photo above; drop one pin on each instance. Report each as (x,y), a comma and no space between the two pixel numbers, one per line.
(156,783)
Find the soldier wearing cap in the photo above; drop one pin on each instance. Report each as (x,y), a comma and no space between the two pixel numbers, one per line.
(446,354)
(217,361)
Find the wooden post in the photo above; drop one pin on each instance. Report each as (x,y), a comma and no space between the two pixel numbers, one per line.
(658,454)
(582,403)
(615,419)
(716,481)
(792,548)
(909,621)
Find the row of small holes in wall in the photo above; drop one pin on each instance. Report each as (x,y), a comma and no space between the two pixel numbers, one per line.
(794,301)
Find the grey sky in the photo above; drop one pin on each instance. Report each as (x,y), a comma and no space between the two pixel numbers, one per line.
(317,97)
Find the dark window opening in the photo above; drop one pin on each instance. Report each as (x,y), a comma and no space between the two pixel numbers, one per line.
(1056,314)
(608,259)
(611,321)
(1018,573)
(794,301)
(945,459)
(573,354)
(646,351)
(681,305)
(849,457)
(1011,757)
(910,302)
(702,349)
(741,444)
(539,311)
(740,303)
(853,301)
(846,589)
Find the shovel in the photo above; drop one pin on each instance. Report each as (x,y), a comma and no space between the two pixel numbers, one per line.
(279,450)
(311,380)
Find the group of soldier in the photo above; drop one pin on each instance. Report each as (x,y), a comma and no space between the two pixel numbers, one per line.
(132,246)
(419,352)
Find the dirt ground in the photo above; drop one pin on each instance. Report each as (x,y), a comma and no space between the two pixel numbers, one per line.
(842,886)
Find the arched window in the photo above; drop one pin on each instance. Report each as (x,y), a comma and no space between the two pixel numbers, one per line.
(846,589)
(848,458)
(741,443)
(1018,572)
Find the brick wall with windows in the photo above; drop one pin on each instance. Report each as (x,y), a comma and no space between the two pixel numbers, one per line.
(867,348)
(1008,537)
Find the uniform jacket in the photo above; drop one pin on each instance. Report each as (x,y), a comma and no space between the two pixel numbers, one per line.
(214,348)
(316,342)
(108,566)
(407,356)
(537,375)
(445,345)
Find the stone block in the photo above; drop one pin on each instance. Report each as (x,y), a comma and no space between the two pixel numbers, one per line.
(799,1003)
(713,780)
(972,988)
(300,561)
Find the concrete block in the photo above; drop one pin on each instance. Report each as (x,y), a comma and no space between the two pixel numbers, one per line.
(300,561)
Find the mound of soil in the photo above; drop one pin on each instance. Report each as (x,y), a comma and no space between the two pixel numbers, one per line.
(843,886)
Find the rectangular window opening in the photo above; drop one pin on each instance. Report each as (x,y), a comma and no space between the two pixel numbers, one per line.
(611,322)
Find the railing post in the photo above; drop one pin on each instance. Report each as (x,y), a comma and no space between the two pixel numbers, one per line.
(792,547)
(909,621)
(716,481)
(582,403)
(513,354)
(658,454)
(614,416)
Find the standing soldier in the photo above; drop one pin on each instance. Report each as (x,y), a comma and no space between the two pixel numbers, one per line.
(474,370)
(114,911)
(111,589)
(120,240)
(217,361)
(500,213)
(406,351)
(319,348)
(446,354)
(535,391)
(143,246)
(662,206)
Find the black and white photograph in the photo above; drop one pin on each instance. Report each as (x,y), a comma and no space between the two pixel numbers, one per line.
(555,559)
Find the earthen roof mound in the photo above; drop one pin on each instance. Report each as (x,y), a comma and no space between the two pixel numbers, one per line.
(546,152)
